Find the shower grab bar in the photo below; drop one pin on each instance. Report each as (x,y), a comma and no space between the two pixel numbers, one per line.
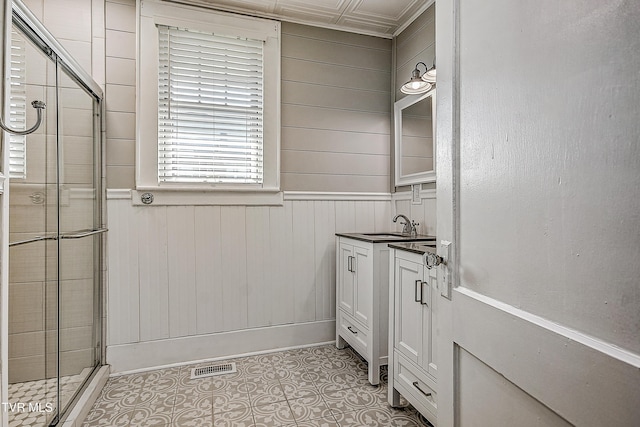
(39,106)
(78,235)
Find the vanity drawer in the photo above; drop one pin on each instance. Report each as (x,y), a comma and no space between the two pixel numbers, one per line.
(356,336)
(415,386)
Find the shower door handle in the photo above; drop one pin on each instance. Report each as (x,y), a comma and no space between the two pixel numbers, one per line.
(33,239)
(77,235)
(84,233)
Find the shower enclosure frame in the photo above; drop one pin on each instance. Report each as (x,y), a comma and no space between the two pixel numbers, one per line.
(15,12)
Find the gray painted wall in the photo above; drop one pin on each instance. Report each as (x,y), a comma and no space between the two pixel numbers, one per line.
(335,106)
(335,110)
(416,43)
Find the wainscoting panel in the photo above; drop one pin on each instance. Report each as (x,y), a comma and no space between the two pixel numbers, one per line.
(153,276)
(188,271)
(281,300)
(181,269)
(208,249)
(325,259)
(424,213)
(303,261)
(123,300)
(234,267)
(259,270)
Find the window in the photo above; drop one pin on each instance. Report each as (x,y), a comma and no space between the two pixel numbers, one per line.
(210,108)
(17,107)
(210,120)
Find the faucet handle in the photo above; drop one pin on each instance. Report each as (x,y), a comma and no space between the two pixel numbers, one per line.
(414,228)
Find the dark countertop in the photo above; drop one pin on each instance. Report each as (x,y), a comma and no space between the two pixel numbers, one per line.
(387,237)
(418,248)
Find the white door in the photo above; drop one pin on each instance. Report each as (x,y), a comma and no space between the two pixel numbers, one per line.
(537,188)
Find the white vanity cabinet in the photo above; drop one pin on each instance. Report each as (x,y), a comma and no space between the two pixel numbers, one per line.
(362,292)
(412,316)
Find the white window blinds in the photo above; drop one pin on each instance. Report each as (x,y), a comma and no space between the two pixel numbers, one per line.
(17,107)
(210,114)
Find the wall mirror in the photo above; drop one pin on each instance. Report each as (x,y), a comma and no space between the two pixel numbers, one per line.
(414,117)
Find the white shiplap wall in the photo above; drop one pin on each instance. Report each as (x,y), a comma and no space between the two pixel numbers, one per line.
(189,271)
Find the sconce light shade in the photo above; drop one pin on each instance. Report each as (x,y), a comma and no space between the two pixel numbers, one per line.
(430,74)
(416,85)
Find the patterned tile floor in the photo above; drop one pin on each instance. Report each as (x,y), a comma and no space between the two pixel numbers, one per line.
(41,393)
(317,386)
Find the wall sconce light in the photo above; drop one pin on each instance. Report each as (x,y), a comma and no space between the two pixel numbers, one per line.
(430,74)
(417,84)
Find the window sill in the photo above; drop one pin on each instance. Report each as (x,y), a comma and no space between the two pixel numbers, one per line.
(199,197)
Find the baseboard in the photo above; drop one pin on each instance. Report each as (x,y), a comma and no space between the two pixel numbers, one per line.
(160,353)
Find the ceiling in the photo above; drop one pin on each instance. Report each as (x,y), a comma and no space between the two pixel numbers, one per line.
(382,18)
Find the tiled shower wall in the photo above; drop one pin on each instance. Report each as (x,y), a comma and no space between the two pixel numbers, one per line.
(33,319)
(120,92)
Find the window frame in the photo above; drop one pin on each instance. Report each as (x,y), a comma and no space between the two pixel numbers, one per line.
(151,14)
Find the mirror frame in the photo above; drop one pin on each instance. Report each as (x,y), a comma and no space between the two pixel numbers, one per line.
(398,107)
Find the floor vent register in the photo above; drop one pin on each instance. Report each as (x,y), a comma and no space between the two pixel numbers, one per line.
(213,370)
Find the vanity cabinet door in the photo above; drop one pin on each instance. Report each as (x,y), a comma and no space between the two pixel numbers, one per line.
(363,303)
(355,280)
(408,311)
(362,299)
(346,278)
(412,368)
(430,298)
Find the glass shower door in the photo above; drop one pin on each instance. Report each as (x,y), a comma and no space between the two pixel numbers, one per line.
(79,243)
(33,311)
(55,238)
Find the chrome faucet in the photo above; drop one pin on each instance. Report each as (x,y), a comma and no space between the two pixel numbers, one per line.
(409,227)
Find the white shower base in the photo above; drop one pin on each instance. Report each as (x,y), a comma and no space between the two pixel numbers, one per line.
(41,393)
